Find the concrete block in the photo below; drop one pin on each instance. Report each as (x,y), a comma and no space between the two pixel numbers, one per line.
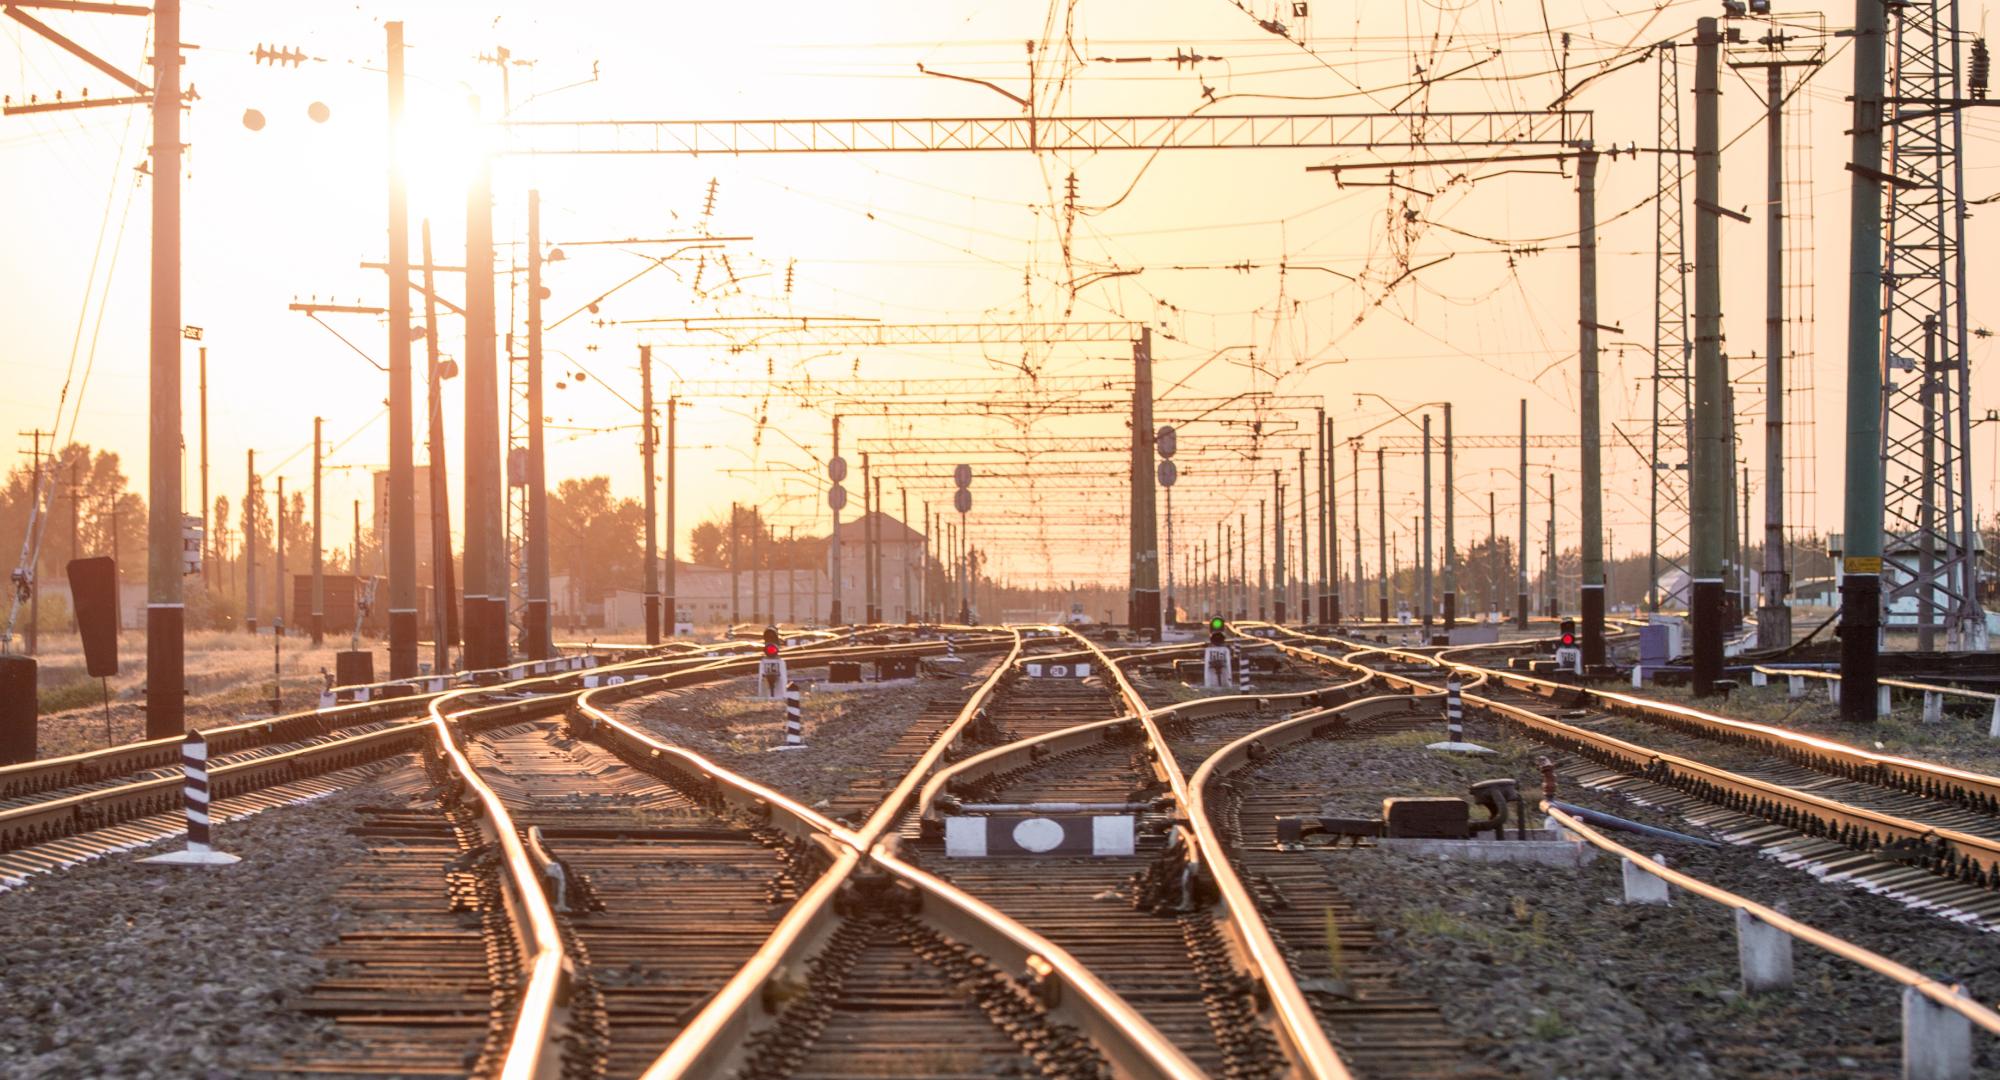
(1542,848)
(1882,702)
(1933,707)
(1638,676)
(1765,953)
(1797,689)
(1937,1042)
(1833,690)
(1642,887)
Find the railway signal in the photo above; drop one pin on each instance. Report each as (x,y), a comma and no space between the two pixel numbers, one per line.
(771,668)
(1568,657)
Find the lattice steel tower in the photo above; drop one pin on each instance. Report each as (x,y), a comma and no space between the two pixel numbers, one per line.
(1672,348)
(1928,525)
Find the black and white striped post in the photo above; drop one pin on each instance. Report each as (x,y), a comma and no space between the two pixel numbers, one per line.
(951,646)
(1242,669)
(795,728)
(194,763)
(1454,721)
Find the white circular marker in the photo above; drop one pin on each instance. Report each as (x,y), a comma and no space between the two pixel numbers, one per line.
(1060,671)
(1038,834)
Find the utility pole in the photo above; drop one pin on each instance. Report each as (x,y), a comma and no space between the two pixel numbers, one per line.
(535,620)
(278,589)
(249,542)
(1425,562)
(166,611)
(444,607)
(1243,560)
(1709,508)
(206,532)
(1521,556)
(670,603)
(1304,571)
(319,544)
(1450,544)
(869,613)
(833,539)
(905,547)
(756,564)
(485,555)
(402,464)
(1493,541)
(652,565)
(1263,589)
(1145,603)
(1382,529)
(1360,588)
(1555,565)
(875,565)
(1591,587)
(35,508)
(735,592)
(1774,617)
(1277,546)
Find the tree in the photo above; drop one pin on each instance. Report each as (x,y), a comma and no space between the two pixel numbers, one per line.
(84,487)
(594,538)
(708,543)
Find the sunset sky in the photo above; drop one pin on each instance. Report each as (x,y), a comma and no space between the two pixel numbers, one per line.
(1189,242)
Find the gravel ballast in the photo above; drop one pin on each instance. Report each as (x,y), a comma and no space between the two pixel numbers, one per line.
(118,968)
(1549,974)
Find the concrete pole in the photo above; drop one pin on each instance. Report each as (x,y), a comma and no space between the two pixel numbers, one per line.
(1321,608)
(249,542)
(875,560)
(651,572)
(1774,618)
(207,531)
(1263,587)
(1243,562)
(278,589)
(1710,506)
(670,604)
(481,435)
(1382,531)
(1521,555)
(1424,562)
(444,609)
(833,544)
(904,546)
(869,614)
(735,590)
(1360,590)
(318,619)
(402,451)
(1278,605)
(535,620)
(166,623)
(1145,602)
(1303,575)
(1450,543)
(1591,588)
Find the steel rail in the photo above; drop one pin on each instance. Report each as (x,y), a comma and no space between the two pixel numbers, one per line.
(1954,854)
(704,1046)
(1299,1025)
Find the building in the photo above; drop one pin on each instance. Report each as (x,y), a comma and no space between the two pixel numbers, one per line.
(902,568)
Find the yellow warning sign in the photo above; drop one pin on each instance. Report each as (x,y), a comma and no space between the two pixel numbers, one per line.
(1862,564)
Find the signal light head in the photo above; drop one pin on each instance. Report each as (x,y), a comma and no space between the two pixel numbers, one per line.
(1215,624)
(1568,640)
(770,650)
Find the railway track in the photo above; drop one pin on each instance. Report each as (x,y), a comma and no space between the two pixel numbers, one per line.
(1924,833)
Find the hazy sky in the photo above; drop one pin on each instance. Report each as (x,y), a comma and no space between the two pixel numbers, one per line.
(1190,242)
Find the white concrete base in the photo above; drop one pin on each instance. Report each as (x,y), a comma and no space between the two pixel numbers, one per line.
(1642,887)
(1765,954)
(844,687)
(189,857)
(1937,1042)
(788,746)
(1542,848)
(1459,747)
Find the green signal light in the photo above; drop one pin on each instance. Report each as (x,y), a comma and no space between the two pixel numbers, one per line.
(1215,623)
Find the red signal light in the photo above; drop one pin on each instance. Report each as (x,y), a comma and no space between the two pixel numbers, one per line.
(770,650)
(1568,640)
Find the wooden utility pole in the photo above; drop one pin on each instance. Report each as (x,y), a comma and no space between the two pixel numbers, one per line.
(402,464)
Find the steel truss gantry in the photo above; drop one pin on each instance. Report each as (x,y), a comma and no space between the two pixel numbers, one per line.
(1929,549)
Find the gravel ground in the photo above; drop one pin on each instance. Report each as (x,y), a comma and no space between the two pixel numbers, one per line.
(1550,975)
(115,968)
(847,733)
(1958,740)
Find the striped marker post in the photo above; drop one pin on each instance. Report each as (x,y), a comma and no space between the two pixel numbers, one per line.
(795,728)
(951,646)
(194,763)
(1242,669)
(1454,722)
